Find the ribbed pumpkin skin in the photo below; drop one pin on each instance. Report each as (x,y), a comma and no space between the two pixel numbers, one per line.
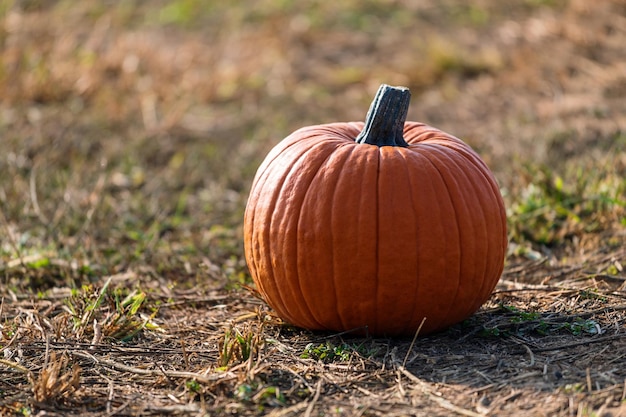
(340,235)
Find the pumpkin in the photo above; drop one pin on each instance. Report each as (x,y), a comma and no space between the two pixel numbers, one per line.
(375,227)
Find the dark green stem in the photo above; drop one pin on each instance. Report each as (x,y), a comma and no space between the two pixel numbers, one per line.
(384,124)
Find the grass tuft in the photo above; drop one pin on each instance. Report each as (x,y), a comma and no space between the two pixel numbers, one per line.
(56,381)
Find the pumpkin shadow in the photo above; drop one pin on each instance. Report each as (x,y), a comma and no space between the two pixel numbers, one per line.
(502,348)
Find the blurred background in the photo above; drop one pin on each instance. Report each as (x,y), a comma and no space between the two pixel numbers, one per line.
(130,131)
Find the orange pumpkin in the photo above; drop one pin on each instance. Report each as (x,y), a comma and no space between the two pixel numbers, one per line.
(375,227)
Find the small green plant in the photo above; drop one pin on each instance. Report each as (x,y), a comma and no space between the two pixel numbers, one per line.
(491,332)
(82,301)
(612,270)
(193,386)
(127,322)
(104,315)
(580,326)
(270,396)
(244,391)
(255,392)
(574,388)
(527,322)
(235,347)
(592,294)
(521,316)
(39,263)
(327,352)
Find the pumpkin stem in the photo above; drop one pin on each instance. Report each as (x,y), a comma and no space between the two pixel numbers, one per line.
(384,124)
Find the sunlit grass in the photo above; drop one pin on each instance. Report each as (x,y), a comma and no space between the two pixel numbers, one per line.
(554,208)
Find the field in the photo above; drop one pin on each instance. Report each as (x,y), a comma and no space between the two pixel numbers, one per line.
(129,136)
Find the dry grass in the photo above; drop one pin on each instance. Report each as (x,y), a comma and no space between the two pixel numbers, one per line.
(129,135)
(550,349)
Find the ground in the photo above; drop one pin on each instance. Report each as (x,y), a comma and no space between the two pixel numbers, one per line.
(129,136)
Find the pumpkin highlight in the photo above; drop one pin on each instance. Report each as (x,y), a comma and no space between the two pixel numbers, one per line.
(375,226)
